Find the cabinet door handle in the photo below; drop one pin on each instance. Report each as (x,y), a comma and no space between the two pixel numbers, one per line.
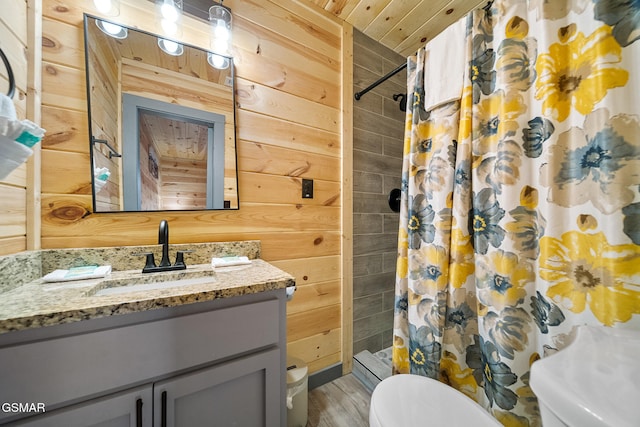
(139,413)
(163,413)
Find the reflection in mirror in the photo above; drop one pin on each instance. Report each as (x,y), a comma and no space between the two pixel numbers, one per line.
(169,115)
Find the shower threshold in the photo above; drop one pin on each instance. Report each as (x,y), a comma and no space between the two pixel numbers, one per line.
(370,368)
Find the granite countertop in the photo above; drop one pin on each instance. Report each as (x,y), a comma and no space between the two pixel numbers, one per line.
(36,303)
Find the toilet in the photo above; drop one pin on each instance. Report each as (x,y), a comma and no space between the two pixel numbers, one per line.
(415,401)
(593,382)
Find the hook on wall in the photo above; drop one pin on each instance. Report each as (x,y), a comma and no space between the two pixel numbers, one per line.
(12,81)
(403,100)
(394,199)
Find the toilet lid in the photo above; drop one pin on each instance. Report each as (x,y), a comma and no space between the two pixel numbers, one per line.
(595,381)
(412,400)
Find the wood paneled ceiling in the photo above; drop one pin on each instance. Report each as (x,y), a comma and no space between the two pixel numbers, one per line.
(402,25)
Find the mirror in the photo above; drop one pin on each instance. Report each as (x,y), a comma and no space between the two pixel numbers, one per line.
(161,122)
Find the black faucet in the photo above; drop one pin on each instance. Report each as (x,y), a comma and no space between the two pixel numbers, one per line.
(163,239)
(165,264)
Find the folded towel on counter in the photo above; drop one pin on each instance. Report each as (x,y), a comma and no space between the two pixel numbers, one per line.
(12,155)
(230,260)
(444,79)
(78,273)
(7,109)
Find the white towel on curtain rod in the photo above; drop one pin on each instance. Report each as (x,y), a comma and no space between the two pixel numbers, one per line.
(445,57)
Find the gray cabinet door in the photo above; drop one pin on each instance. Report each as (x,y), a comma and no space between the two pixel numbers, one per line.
(242,392)
(132,408)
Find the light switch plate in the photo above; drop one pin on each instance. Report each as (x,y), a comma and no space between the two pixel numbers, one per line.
(307,189)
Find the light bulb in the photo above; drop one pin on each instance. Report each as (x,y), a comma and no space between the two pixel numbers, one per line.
(103,6)
(170,47)
(112,29)
(220,31)
(108,7)
(170,10)
(220,21)
(217,61)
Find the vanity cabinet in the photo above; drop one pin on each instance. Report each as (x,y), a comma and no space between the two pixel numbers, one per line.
(231,394)
(217,362)
(132,408)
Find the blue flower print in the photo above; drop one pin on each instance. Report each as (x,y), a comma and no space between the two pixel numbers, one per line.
(494,376)
(463,174)
(425,145)
(483,221)
(545,313)
(482,74)
(631,222)
(420,114)
(433,312)
(623,16)
(526,230)
(597,163)
(516,63)
(461,319)
(508,330)
(401,304)
(420,224)
(424,352)
(539,130)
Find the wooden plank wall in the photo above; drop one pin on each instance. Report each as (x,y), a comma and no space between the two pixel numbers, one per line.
(13,189)
(289,127)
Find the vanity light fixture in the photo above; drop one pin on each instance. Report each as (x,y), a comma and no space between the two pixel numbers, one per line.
(217,61)
(170,47)
(170,13)
(108,7)
(112,30)
(220,21)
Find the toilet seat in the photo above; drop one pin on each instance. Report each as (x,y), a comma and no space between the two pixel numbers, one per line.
(414,401)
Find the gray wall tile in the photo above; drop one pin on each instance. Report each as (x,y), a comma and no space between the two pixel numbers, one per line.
(378,136)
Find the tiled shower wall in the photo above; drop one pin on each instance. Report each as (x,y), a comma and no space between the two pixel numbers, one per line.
(378,126)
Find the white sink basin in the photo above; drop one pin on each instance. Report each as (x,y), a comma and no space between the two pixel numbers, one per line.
(116,290)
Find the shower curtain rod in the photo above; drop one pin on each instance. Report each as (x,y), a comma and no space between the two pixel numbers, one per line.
(358,95)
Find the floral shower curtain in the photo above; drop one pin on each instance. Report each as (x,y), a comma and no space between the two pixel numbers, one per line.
(520,211)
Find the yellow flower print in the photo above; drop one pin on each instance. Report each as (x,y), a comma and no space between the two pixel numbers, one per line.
(400,356)
(403,246)
(408,125)
(413,299)
(401,267)
(495,118)
(509,419)
(462,264)
(584,269)
(466,105)
(461,379)
(517,28)
(501,279)
(428,270)
(579,73)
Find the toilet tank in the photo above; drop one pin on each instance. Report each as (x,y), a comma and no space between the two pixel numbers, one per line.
(595,381)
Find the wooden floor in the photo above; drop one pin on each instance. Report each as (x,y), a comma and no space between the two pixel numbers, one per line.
(343,402)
